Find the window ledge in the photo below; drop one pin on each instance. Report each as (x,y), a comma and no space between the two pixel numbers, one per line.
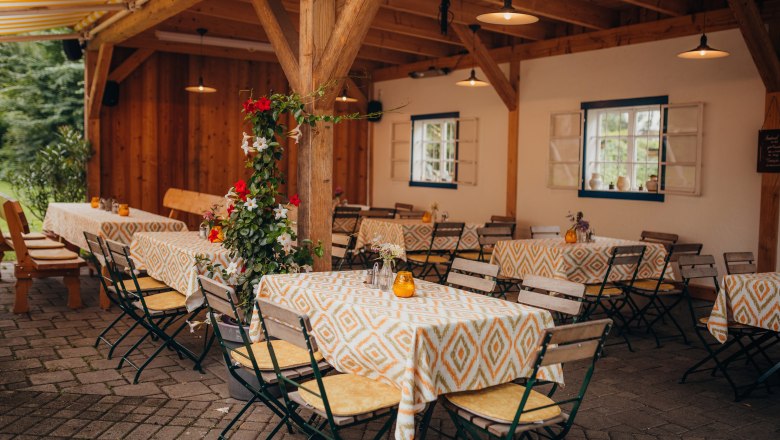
(622,195)
(441,185)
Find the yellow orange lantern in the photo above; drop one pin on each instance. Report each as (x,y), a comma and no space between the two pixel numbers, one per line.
(403,287)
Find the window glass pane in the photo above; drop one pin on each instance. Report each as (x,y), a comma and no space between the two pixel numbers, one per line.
(682,119)
(680,178)
(564,175)
(432,150)
(450,127)
(681,149)
(432,132)
(565,125)
(623,123)
(648,122)
(450,149)
(564,150)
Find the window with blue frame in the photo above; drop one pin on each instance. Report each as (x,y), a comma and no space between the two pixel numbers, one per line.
(434,147)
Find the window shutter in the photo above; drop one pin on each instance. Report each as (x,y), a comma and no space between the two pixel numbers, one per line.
(401,151)
(563,163)
(468,151)
(682,142)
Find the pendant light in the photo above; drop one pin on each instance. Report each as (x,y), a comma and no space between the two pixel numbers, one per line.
(703,51)
(507,15)
(472,80)
(200,88)
(344,97)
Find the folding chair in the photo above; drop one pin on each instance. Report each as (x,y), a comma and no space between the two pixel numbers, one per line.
(341,250)
(740,263)
(662,294)
(545,231)
(611,297)
(156,312)
(411,214)
(474,276)
(562,298)
(487,238)
(374,212)
(435,256)
(254,359)
(346,220)
(404,207)
(335,402)
(702,267)
(502,219)
(659,237)
(510,410)
(499,224)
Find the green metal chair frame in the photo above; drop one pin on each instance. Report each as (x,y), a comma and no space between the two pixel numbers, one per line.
(559,345)
(97,247)
(222,299)
(156,323)
(295,328)
(440,230)
(656,300)
(612,305)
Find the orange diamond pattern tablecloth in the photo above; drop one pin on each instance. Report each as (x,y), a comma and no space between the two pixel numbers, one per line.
(439,341)
(579,262)
(413,234)
(750,299)
(170,258)
(70,220)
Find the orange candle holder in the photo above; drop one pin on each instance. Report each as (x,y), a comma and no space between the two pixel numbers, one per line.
(571,236)
(403,286)
(94,202)
(124,210)
(426,218)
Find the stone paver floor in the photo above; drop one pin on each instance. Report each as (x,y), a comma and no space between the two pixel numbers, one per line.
(55,384)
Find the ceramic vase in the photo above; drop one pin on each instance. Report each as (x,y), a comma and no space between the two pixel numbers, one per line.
(595,181)
(652,184)
(623,184)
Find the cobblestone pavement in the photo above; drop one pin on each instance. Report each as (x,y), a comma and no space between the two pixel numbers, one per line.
(55,384)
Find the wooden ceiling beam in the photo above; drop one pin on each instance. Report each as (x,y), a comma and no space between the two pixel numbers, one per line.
(130,64)
(149,41)
(152,14)
(758,41)
(466,13)
(673,8)
(283,37)
(717,20)
(494,74)
(578,12)
(386,56)
(403,43)
(98,82)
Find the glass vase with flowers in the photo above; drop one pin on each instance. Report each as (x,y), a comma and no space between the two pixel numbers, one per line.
(579,232)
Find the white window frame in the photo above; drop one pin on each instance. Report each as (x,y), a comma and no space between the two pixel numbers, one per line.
(446,144)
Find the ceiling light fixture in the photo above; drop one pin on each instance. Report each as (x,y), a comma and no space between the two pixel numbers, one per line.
(703,51)
(472,80)
(430,72)
(507,15)
(200,88)
(345,98)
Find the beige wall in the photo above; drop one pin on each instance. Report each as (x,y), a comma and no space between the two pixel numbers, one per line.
(724,217)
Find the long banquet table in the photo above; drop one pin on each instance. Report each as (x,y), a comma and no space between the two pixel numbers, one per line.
(413,234)
(578,262)
(441,340)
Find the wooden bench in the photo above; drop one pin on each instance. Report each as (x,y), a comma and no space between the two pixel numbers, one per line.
(192,202)
(38,263)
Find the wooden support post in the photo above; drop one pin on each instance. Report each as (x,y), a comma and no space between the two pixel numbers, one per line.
(770,198)
(513,134)
(91,127)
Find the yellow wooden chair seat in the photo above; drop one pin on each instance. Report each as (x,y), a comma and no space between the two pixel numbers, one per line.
(52,254)
(650,285)
(351,395)
(732,324)
(287,355)
(474,255)
(162,302)
(500,403)
(593,290)
(30,236)
(420,258)
(37,244)
(148,284)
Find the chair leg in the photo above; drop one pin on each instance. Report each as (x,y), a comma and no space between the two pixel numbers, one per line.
(238,416)
(21,304)
(74,291)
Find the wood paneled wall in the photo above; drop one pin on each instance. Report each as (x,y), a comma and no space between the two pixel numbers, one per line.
(160,136)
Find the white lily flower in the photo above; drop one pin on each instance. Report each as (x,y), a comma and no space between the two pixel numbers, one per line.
(231,195)
(286,241)
(280,212)
(307,268)
(250,204)
(232,269)
(245,144)
(295,134)
(260,144)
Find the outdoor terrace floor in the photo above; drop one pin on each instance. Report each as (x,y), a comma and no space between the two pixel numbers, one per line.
(54,384)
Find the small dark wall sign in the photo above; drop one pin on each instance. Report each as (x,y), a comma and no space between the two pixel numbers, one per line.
(769,151)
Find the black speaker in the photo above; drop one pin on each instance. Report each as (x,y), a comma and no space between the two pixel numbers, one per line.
(374,107)
(72,49)
(111,94)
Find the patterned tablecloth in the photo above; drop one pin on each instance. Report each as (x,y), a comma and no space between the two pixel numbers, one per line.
(170,258)
(750,299)
(70,220)
(413,234)
(440,341)
(579,262)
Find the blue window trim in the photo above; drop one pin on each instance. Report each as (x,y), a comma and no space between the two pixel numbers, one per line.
(440,185)
(619,195)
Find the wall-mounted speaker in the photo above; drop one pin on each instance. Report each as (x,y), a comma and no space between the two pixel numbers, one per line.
(72,49)
(374,107)
(111,94)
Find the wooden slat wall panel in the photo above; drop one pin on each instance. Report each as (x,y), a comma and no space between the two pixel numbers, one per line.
(160,136)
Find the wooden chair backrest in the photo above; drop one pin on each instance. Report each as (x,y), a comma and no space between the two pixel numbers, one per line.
(448,229)
(340,245)
(627,255)
(404,207)
(659,237)
(221,298)
(536,292)
(473,275)
(697,266)
(411,214)
(503,218)
(489,236)
(347,209)
(22,218)
(545,231)
(182,200)
(740,263)
(348,220)
(573,342)
(285,324)
(378,213)
(119,255)
(14,216)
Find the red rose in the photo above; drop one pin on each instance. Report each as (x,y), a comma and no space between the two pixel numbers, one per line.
(230,210)
(240,187)
(295,200)
(263,104)
(249,106)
